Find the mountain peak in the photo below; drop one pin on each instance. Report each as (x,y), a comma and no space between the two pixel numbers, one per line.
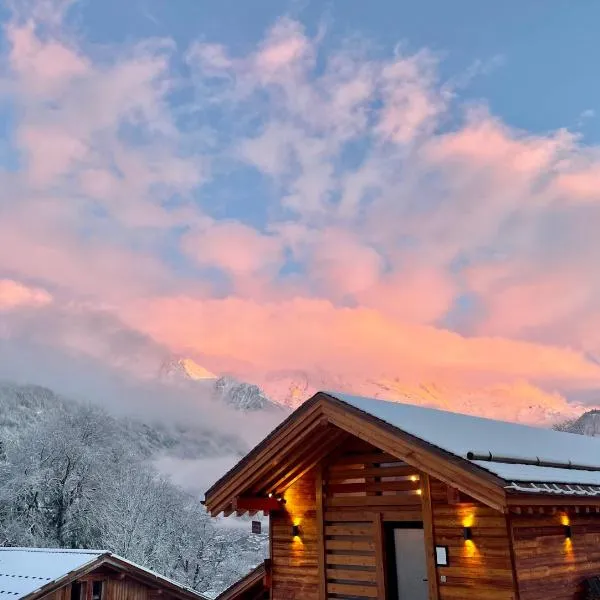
(186,369)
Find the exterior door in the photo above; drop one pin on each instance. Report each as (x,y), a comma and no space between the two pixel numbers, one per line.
(410,563)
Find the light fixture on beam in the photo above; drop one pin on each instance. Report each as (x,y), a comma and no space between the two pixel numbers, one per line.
(295,530)
(568,532)
(467,533)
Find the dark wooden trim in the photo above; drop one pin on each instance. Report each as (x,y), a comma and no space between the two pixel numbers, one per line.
(320,516)
(428,527)
(255,504)
(511,549)
(380,555)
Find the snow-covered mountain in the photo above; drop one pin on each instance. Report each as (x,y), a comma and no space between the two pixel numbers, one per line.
(254,391)
(586,424)
(519,402)
(237,394)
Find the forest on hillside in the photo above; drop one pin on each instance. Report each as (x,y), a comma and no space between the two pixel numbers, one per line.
(70,478)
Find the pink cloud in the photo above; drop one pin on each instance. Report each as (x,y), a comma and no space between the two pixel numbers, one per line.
(43,66)
(302,333)
(415,294)
(518,301)
(411,103)
(580,185)
(14,294)
(285,45)
(51,152)
(235,248)
(340,264)
(486,142)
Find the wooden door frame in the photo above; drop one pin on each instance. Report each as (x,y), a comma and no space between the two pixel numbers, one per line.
(391,582)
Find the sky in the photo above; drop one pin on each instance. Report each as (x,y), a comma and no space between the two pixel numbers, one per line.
(373,190)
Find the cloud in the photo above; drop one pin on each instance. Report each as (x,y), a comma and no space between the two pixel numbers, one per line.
(235,248)
(16,295)
(367,223)
(306,332)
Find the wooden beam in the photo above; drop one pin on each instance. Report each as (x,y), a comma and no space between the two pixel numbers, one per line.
(380,558)
(428,530)
(334,440)
(511,549)
(244,503)
(320,516)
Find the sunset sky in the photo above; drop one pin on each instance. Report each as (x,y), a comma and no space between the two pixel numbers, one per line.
(408,190)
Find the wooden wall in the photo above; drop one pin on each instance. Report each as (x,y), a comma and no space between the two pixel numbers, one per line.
(115,588)
(294,561)
(480,568)
(550,566)
(342,507)
(362,488)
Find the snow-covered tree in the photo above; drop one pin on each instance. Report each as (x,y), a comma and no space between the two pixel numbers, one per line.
(72,479)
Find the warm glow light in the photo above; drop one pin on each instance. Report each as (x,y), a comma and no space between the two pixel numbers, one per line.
(564,520)
(470,548)
(414,478)
(419,492)
(468,520)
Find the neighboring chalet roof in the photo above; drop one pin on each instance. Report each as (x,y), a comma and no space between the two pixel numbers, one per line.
(253,586)
(492,461)
(34,572)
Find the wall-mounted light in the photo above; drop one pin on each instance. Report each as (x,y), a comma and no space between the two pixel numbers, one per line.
(467,533)
(295,530)
(568,531)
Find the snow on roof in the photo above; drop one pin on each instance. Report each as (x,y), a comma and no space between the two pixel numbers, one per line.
(25,570)
(461,434)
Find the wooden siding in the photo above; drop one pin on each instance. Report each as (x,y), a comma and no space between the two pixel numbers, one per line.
(549,566)
(116,587)
(363,487)
(294,560)
(479,568)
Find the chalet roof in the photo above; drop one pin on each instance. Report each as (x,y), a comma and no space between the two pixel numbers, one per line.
(496,462)
(509,450)
(31,572)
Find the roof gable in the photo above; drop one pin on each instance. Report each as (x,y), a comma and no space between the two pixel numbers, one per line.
(483,458)
(316,429)
(34,572)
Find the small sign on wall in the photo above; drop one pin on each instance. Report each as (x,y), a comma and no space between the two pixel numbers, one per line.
(441,556)
(256,527)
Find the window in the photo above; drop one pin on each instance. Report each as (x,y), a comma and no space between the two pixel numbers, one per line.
(77,591)
(97,590)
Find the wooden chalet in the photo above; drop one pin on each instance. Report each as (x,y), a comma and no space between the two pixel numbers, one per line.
(373,499)
(57,574)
